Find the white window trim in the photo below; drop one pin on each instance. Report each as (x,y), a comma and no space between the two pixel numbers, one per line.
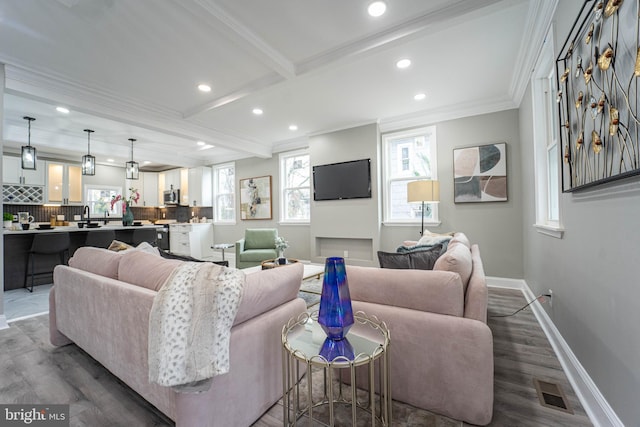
(215,169)
(386,167)
(544,67)
(281,157)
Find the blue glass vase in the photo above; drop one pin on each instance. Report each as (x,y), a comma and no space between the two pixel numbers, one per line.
(127,217)
(332,349)
(336,313)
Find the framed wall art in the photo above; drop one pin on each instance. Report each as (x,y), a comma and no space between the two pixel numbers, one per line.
(598,106)
(480,173)
(255,198)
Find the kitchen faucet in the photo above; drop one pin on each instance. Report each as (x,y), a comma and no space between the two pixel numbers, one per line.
(85,208)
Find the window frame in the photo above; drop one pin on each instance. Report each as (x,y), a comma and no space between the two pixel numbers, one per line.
(215,195)
(545,139)
(387,181)
(117,211)
(282,157)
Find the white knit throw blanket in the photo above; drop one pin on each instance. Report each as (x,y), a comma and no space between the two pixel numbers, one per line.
(190,325)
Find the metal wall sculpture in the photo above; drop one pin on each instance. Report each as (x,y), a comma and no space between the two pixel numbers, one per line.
(598,70)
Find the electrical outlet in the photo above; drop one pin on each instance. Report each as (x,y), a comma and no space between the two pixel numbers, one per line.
(550,298)
(346,254)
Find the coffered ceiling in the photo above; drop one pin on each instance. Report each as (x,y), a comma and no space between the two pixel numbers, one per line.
(130,69)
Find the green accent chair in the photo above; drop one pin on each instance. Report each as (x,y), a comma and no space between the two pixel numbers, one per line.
(258,245)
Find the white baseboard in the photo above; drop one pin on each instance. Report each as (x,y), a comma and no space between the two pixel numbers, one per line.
(3,322)
(596,406)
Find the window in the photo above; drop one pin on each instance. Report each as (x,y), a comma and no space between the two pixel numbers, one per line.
(295,184)
(408,156)
(224,193)
(546,143)
(98,198)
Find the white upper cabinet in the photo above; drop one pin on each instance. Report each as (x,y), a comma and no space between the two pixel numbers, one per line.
(200,186)
(12,172)
(147,186)
(64,183)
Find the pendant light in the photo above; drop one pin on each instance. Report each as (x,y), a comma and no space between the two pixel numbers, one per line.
(132,168)
(88,161)
(28,153)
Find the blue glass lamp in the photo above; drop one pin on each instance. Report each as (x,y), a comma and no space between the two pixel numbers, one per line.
(336,313)
(332,349)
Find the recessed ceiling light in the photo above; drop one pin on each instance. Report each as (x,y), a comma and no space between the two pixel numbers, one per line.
(420,96)
(257,111)
(110,160)
(62,110)
(146,162)
(204,88)
(293,127)
(200,142)
(403,63)
(377,8)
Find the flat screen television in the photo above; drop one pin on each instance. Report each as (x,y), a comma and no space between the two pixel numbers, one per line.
(345,180)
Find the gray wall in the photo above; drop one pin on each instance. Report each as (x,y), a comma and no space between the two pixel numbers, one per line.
(593,270)
(296,235)
(496,227)
(346,225)
(2,83)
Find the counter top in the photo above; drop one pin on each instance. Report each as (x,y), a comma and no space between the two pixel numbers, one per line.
(73,228)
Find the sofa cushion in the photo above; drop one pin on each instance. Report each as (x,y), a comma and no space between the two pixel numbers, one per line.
(457,258)
(461,238)
(260,238)
(267,289)
(258,255)
(394,260)
(117,246)
(144,269)
(422,259)
(96,260)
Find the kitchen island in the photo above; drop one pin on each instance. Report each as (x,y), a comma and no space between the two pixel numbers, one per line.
(17,244)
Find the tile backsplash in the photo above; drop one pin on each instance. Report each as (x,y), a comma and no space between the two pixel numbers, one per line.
(179,213)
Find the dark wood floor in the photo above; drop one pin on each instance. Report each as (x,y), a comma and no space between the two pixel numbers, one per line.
(33,371)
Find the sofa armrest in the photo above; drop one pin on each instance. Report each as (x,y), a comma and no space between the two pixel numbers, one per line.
(433,291)
(440,363)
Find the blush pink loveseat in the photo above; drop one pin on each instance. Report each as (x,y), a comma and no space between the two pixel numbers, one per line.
(102,300)
(441,346)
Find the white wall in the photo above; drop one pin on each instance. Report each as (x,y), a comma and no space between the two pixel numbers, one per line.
(593,270)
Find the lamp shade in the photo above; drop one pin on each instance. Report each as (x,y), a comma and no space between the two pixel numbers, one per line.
(423,191)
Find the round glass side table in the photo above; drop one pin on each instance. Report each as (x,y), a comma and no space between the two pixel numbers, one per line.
(305,348)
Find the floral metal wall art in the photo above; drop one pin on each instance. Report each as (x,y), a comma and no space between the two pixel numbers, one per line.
(598,70)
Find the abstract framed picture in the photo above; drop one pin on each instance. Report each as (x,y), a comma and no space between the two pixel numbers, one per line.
(255,198)
(480,173)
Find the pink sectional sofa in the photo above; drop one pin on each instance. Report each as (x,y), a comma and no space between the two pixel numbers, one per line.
(441,346)
(102,300)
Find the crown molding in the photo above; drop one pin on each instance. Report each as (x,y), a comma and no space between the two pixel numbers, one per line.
(451,112)
(539,18)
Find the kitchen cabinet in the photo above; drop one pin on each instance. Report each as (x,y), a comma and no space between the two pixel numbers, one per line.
(147,186)
(12,172)
(194,240)
(63,183)
(200,186)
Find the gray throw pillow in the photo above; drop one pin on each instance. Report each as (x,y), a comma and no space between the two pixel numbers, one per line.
(424,260)
(394,260)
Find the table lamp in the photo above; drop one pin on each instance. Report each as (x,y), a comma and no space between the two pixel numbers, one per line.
(423,191)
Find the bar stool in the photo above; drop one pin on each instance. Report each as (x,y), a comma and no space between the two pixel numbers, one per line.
(145,235)
(46,244)
(100,238)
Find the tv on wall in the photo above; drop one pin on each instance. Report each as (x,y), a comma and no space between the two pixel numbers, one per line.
(345,180)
